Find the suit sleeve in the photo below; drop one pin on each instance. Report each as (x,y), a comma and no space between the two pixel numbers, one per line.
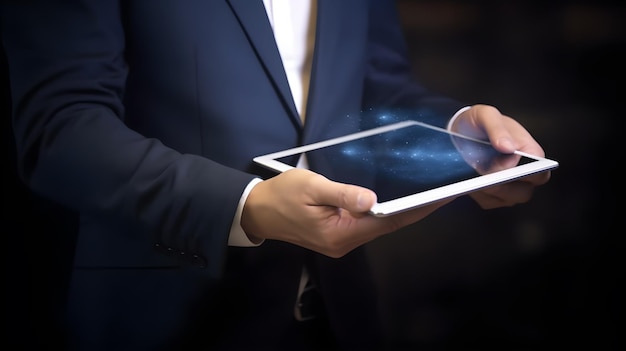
(390,84)
(67,73)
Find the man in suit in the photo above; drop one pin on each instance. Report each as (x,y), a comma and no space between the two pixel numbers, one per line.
(144,118)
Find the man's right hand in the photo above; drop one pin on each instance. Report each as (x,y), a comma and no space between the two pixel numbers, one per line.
(309,210)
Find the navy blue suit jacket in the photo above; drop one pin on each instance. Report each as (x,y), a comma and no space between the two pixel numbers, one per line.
(144,116)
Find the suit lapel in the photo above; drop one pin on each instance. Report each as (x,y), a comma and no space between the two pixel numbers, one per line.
(253,19)
(334,52)
(338,48)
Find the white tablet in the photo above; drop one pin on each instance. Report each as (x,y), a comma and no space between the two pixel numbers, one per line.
(409,164)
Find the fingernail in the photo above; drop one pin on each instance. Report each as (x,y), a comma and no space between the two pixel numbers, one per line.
(507,144)
(361,202)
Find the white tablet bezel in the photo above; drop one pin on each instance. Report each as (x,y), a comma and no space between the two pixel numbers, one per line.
(541,164)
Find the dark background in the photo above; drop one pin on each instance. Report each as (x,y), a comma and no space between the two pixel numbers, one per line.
(543,275)
(536,276)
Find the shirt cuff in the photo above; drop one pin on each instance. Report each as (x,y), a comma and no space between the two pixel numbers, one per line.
(454,117)
(237,236)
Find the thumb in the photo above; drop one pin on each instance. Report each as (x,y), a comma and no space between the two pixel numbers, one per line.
(352,198)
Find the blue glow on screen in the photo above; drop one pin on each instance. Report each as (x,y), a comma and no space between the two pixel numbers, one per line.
(402,161)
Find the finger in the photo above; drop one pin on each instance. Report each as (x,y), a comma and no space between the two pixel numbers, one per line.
(497,127)
(504,133)
(538,178)
(368,228)
(395,222)
(504,195)
(352,198)
(522,139)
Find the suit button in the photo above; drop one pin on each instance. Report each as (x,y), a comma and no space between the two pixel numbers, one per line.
(198,261)
(160,248)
